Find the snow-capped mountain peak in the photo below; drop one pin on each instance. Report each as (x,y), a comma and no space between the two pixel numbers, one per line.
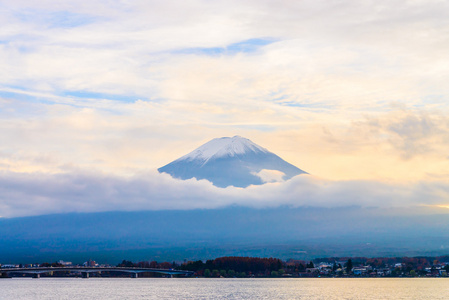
(232,161)
(223,147)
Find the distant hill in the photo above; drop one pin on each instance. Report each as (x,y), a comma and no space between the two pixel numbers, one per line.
(235,161)
(284,232)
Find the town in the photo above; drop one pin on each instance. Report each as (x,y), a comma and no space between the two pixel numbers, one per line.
(249,267)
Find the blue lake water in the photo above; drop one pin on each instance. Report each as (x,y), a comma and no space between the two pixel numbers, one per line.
(198,288)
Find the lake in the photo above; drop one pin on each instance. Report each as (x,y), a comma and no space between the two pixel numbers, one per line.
(199,288)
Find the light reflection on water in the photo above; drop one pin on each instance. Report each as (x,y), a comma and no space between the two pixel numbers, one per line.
(195,288)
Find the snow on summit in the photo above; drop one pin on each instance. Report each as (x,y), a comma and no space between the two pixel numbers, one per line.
(235,161)
(225,146)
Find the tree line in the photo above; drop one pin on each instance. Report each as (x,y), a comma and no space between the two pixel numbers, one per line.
(236,266)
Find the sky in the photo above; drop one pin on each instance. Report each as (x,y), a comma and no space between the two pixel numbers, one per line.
(96,95)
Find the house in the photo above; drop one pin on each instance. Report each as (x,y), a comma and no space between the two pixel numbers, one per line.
(360,271)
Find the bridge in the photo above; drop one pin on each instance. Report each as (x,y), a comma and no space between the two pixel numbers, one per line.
(36,272)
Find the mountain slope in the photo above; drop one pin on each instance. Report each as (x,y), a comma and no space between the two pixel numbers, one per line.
(285,232)
(233,161)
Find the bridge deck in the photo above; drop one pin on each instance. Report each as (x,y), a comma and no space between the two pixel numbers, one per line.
(93,269)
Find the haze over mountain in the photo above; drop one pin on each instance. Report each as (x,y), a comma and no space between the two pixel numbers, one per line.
(235,161)
(285,232)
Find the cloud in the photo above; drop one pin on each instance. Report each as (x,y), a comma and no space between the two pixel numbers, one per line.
(402,144)
(270,175)
(346,54)
(413,133)
(126,86)
(81,191)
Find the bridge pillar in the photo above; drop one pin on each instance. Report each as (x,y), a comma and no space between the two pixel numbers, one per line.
(85,274)
(37,275)
(135,275)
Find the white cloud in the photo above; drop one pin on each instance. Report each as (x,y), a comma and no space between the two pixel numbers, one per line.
(348,53)
(270,175)
(318,92)
(80,191)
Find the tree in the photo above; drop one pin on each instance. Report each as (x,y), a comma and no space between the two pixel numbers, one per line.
(274,274)
(349,266)
(193,266)
(215,273)
(223,273)
(207,273)
(396,272)
(126,264)
(231,273)
(153,264)
(334,267)
(300,267)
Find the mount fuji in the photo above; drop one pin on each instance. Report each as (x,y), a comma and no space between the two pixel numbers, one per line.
(235,161)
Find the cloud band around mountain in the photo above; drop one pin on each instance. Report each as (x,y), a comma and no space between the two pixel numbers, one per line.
(79,191)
